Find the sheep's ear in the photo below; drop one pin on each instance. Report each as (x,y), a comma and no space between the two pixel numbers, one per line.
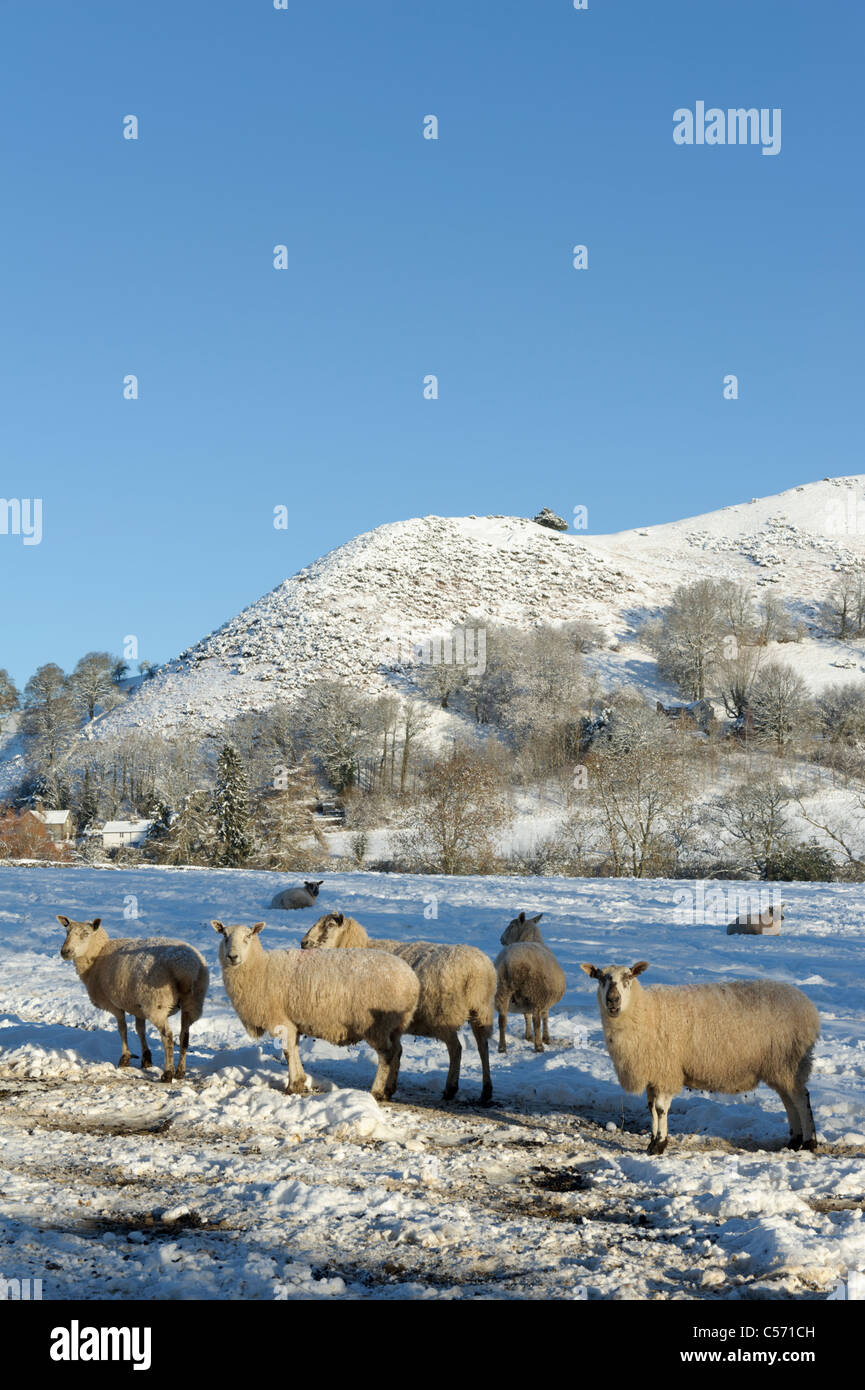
(521,918)
(339,918)
(590,970)
(217,926)
(538,918)
(639,967)
(257,927)
(97,922)
(64,921)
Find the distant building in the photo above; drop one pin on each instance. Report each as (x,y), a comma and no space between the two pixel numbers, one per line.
(60,825)
(116,833)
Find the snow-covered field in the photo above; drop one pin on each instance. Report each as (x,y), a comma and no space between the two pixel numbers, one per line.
(223,1186)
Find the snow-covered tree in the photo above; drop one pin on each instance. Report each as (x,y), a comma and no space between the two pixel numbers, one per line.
(231,808)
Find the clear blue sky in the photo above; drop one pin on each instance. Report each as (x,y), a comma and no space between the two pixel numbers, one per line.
(557,387)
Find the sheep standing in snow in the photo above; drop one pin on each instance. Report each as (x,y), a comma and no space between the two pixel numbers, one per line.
(298,897)
(761,923)
(529,978)
(457,985)
(342,999)
(525,928)
(724,1037)
(150,979)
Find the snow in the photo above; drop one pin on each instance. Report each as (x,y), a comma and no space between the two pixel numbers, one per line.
(225,1186)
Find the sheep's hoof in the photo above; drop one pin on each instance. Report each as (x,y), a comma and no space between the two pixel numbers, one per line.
(449,1092)
(795,1142)
(296,1088)
(486,1095)
(167,1075)
(502,1047)
(380,1096)
(810,1145)
(180,1073)
(146,1061)
(657,1146)
(539,1047)
(124,1060)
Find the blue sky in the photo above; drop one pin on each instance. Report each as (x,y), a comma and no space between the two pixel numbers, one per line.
(407,256)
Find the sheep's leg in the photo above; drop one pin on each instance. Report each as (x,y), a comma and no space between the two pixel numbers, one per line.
(546,1018)
(795,1123)
(503,1023)
(185,1021)
(536,1024)
(809,1130)
(455,1052)
(527,1018)
(124,1044)
(659,1123)
(141,1030)
(482,1038)
(651,1093)
(296,1074)
(168,1044)
(384,1083)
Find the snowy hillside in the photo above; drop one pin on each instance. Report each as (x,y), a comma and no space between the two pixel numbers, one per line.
(355,613)
(223,1186)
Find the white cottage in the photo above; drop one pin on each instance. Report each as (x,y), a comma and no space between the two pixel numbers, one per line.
(116,833)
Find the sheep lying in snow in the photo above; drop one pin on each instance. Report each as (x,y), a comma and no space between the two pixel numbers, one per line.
(761,923)
(529,978)
(341,999)
(298,897)
(525,928)
(150,979)
(457,984)
(724,1037)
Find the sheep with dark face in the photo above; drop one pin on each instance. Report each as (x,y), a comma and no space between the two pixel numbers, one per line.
(760,922)
(723,1037)
(150,979)
(298,897)
(524,928)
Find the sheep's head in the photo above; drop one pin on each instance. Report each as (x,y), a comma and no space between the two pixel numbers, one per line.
(614,985)
(236,942)
(312,886)
(79,937)
(327,931)
(522,928)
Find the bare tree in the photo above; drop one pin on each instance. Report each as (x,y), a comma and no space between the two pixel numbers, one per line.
(92,683)
(778,703)
(685,638)
(754,815)
(461,807)
(9,697)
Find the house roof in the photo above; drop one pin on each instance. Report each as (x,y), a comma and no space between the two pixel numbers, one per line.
(123,827)
(49,817)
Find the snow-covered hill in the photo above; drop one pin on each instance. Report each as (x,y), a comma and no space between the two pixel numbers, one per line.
(355,612)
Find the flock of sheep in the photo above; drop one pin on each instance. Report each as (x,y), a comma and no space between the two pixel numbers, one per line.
(723,1037)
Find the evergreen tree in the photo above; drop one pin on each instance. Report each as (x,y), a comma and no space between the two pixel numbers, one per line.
(231,808)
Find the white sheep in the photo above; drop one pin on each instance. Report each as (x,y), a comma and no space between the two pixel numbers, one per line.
(457,985)
(342,999)
(298,897)
(723,1037)
(529,978)
(765,922)
(150,979)
(525,928)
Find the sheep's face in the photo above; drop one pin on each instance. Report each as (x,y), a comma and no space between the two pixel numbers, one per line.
(614,985)
(236,942)
(325,932)
(313,886)
(79,937)
(522,928)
